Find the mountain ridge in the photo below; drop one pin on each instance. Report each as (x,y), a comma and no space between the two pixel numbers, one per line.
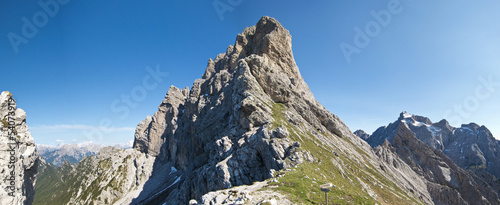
(416,138)
(72,153)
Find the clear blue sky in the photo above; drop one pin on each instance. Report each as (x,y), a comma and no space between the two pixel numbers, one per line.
(427,59)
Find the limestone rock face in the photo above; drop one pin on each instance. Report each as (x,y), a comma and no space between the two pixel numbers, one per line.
(403,172)
(18,156)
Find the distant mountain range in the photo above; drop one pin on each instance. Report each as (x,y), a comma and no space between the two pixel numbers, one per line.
(72,153)
(445,155)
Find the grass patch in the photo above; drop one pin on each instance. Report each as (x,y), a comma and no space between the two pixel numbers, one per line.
(5,123)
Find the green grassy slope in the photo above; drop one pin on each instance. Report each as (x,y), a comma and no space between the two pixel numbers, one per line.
(351,176)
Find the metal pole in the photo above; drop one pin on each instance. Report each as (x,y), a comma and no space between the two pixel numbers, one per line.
(326,197)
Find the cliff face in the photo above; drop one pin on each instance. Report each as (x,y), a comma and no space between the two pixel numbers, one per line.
(18,157)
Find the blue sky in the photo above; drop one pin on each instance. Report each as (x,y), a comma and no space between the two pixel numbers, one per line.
(86,63)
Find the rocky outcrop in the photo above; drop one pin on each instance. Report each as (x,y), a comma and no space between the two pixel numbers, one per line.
(246,194)
(18,157)
(431,151)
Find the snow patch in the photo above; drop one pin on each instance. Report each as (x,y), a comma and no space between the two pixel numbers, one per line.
(435,131)
(407,115)
(466,128)
(446,173)
(413,122)
(163,190)
(172,170)
(175,182)
(418,123)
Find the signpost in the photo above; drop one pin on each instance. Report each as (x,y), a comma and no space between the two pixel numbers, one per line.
(326,188)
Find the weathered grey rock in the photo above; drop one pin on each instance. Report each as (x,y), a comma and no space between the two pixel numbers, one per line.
(246,194)
(151,134)
(18,156)
(193,202)
(282,132)
(403,172)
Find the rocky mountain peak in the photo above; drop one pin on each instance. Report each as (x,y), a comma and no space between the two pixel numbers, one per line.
(362,134)
(410,118)
(230,127)
(444,124)
(404,115)
(471,126)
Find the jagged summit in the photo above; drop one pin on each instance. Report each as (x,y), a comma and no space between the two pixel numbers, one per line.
(267,43)
(414,118)
(362,134)
(260,60)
